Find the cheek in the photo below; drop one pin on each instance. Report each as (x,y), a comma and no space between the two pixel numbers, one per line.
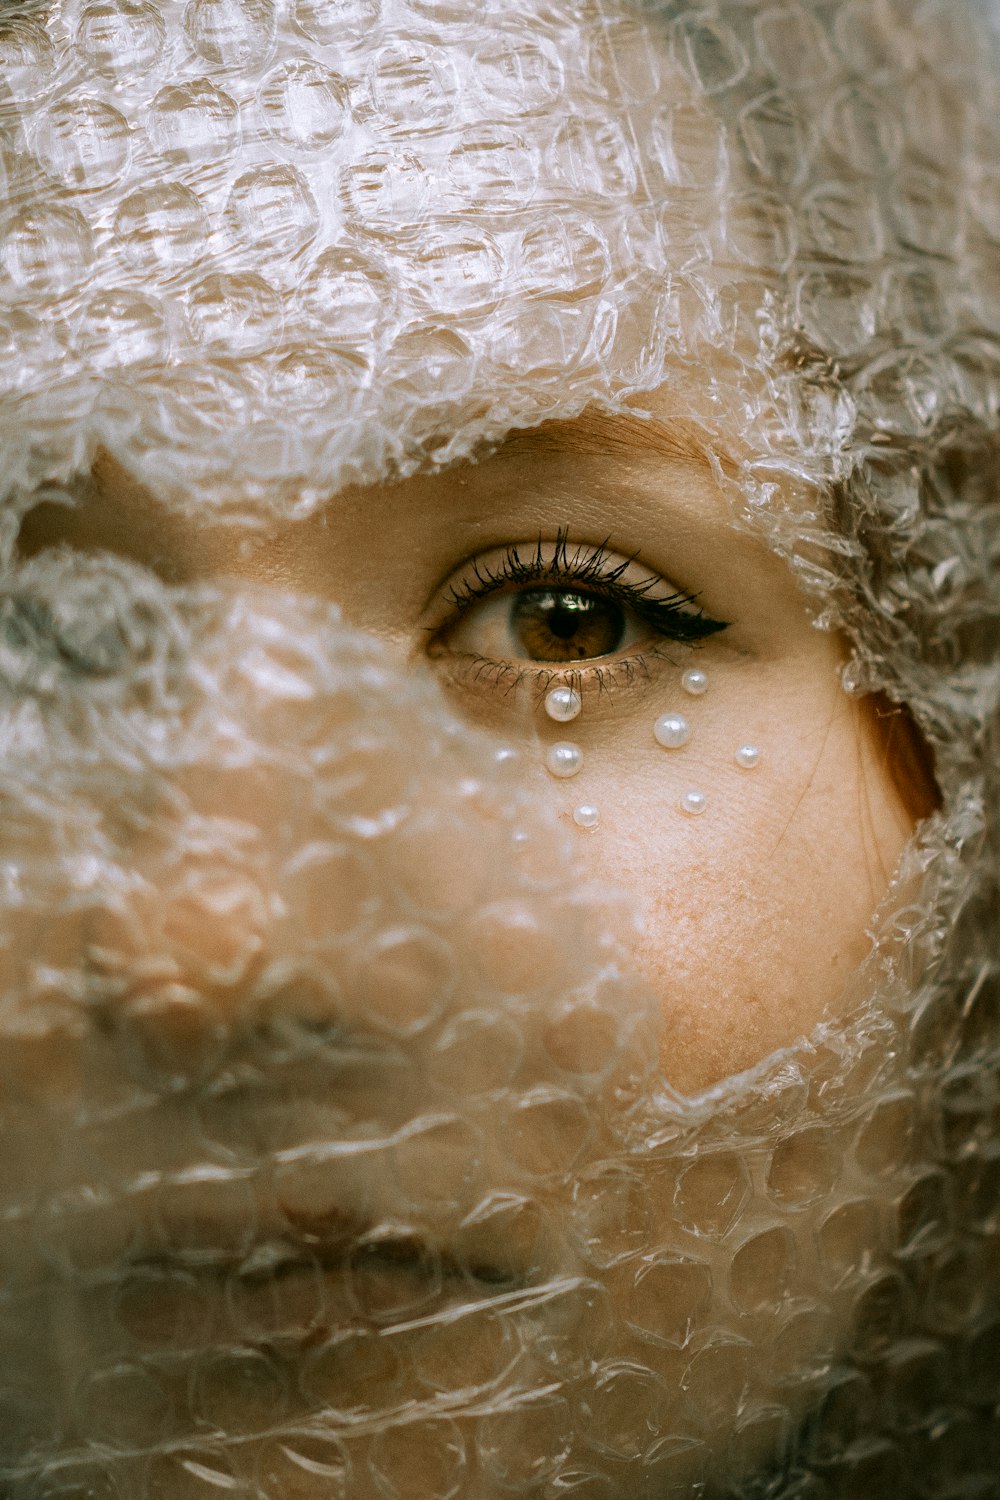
(745,962)
(756,912)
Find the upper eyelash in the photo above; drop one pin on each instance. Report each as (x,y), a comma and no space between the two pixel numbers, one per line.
(589,565)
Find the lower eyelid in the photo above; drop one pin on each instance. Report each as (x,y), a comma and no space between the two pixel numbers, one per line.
(602,678)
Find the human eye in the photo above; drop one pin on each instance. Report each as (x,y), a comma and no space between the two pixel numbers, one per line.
(577,611)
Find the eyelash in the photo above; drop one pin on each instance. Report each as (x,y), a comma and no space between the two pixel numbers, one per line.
(589,567)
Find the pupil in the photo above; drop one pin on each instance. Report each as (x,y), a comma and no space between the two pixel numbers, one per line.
(563,625)
(564,619)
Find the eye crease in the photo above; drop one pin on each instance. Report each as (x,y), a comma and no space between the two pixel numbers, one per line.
(563,605)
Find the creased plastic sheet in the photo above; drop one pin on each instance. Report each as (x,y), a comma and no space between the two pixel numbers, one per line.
(338,1157)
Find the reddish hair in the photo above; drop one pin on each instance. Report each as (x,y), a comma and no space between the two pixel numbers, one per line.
(904,752)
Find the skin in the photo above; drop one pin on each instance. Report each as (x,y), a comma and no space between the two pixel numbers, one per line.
(754,914)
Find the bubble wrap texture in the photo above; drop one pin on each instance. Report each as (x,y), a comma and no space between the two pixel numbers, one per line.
(385,1196)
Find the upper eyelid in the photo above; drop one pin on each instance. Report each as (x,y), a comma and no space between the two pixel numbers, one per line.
(590,565)
(591,552)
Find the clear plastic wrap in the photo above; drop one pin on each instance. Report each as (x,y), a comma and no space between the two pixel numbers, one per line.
(339,1159)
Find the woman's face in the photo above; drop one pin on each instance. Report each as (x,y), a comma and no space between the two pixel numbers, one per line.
(463,1220)
(755,910)
(365,1144)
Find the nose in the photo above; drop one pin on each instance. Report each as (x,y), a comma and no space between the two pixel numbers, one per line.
(297,856)
(233,894)
(313,845)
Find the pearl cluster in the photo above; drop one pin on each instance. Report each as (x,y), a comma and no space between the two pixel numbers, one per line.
(694,681)
(564,759)
(671,730)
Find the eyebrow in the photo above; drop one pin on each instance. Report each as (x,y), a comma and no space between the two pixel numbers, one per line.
(609,434)
(596,432)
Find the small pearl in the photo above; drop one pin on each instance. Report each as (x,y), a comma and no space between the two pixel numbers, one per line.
(695,682)
(747,756)
(564,759)
(563,704)
(693,802)
(586,816)
(671,731)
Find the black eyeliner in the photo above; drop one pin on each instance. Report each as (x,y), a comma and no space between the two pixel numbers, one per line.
(672,618)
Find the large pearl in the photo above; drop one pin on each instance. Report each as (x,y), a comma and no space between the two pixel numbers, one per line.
(671,731)
(563,704)
(747,756)
(564,759)
(695,682)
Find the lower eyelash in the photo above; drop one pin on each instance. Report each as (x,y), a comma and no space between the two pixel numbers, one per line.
(508,677)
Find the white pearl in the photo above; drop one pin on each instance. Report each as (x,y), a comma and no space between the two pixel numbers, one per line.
(564,759)
(693,802)
(586,816)
(695,682)
(671,731)
(747,756)
(563,704)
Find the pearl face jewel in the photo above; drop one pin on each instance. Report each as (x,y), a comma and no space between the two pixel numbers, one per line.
(564,759)
(563,704)
(586,816)
(747,756)
(671,731)
(695,682)
(693,802)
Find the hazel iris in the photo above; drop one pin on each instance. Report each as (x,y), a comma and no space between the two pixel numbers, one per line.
(563,625)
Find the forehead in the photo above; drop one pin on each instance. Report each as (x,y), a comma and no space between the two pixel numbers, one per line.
(383,222)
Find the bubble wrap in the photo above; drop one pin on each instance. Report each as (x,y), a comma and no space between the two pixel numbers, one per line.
(338,1161)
